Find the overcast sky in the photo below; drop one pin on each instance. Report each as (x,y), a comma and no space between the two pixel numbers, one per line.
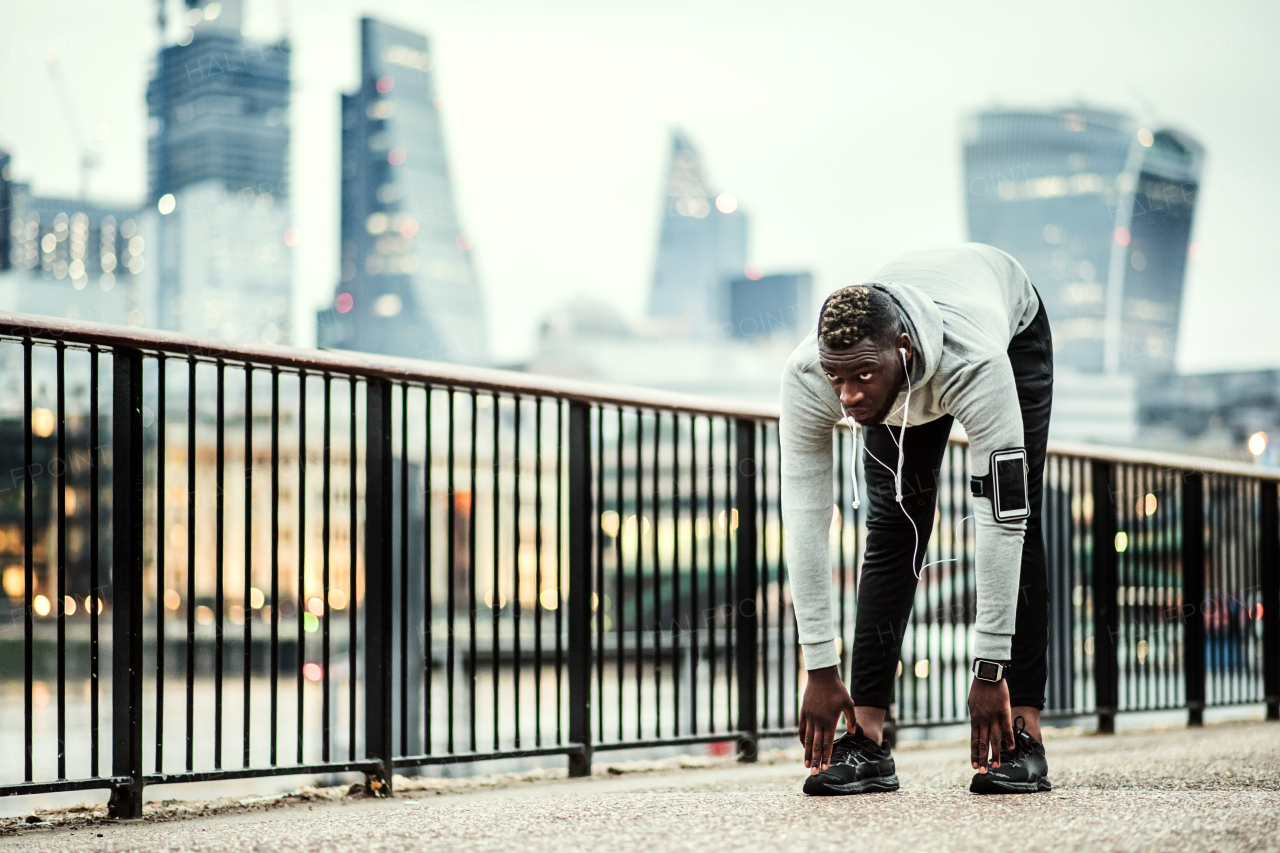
(837,125)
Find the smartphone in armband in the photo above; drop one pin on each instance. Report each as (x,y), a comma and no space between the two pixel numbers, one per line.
(1010,501)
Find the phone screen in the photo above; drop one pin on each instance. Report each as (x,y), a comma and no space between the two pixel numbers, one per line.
(1011,485)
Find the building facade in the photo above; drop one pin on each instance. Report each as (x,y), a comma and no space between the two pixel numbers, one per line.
(74,258)
(702,245)
(1098,209)
(218,183)
(408,286)
(773,305)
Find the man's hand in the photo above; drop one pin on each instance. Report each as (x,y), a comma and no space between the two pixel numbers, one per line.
(825,699)
(989,722)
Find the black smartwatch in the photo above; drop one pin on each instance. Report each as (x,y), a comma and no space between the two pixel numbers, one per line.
(989,670)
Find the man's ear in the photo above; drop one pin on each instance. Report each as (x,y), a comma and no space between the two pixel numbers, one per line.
(904,342)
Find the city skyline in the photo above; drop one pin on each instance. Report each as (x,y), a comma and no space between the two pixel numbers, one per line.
(836,182)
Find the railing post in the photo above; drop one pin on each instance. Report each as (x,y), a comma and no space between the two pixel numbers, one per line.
(745,594)
(126,583)
(1106,612)
(1269,568)
(1193,595)
(378,619)
(581,523)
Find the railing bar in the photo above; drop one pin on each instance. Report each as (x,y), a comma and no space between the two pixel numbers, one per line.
(326,532)
(94,580)
(191,563)
(655,502)
(515,565)
(596,521)
(495,605)
(404,568)
(694,630)
(618,589)
(59,603)
(300,675)
(219,554)
(451,568)
(675,573)
(353,643)
(28,543)
(731,566)
(559,563)
(537,568)
(428,557)
(1228,570)
(1146,586)
(247,600)
(639,596)
(761,487)
(471,577)
(1125,574)
(779,577)
(1213,509)
(275,562)
(1215,580)
(161,529)
(1237,594)
(713,598)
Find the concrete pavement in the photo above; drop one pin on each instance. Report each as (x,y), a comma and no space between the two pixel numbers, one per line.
(1216,788)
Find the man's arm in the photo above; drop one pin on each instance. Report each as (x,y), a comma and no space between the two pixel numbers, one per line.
(984,398)
(805,435)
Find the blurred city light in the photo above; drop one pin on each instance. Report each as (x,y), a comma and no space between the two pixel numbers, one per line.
(1258,443)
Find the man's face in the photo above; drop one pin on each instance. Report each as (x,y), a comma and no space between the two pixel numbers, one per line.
(867,377)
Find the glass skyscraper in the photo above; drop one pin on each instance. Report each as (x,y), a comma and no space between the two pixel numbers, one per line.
(1098,209)
(408,286)
(703,244)
(218,180)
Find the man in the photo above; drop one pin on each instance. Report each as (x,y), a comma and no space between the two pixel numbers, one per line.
(940,334)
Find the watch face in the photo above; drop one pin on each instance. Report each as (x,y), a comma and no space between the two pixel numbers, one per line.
(988,671)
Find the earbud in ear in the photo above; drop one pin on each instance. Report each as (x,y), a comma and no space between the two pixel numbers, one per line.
(903,350)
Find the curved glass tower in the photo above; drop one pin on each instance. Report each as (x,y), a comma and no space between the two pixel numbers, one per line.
(408,287)
(1098,209)
(703,244)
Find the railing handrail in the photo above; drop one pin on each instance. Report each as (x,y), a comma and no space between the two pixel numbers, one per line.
(393,368)
(399,369)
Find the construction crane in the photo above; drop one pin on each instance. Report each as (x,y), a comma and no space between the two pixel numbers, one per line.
(88,157)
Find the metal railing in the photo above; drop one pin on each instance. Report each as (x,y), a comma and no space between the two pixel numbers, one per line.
(224,561)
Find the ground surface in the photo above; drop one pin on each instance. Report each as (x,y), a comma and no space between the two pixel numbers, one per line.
(1211,789)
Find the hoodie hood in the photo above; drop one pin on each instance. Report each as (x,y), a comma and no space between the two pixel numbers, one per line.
(923,323)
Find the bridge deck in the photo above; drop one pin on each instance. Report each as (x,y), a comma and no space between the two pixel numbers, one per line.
(1216,788)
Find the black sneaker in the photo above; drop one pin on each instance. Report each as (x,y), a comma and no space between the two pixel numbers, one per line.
(858,765)
(1022,770)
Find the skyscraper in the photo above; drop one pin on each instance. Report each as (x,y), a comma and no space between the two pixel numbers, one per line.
(408,286)
(1098,210)
(72,258)
(703,244)
(218,180)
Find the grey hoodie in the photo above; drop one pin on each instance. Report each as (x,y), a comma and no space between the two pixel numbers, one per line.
(961,306)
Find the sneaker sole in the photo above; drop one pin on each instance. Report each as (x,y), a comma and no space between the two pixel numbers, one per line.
(879,784)
(984,784)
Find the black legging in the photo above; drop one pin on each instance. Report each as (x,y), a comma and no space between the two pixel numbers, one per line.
(888,584)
